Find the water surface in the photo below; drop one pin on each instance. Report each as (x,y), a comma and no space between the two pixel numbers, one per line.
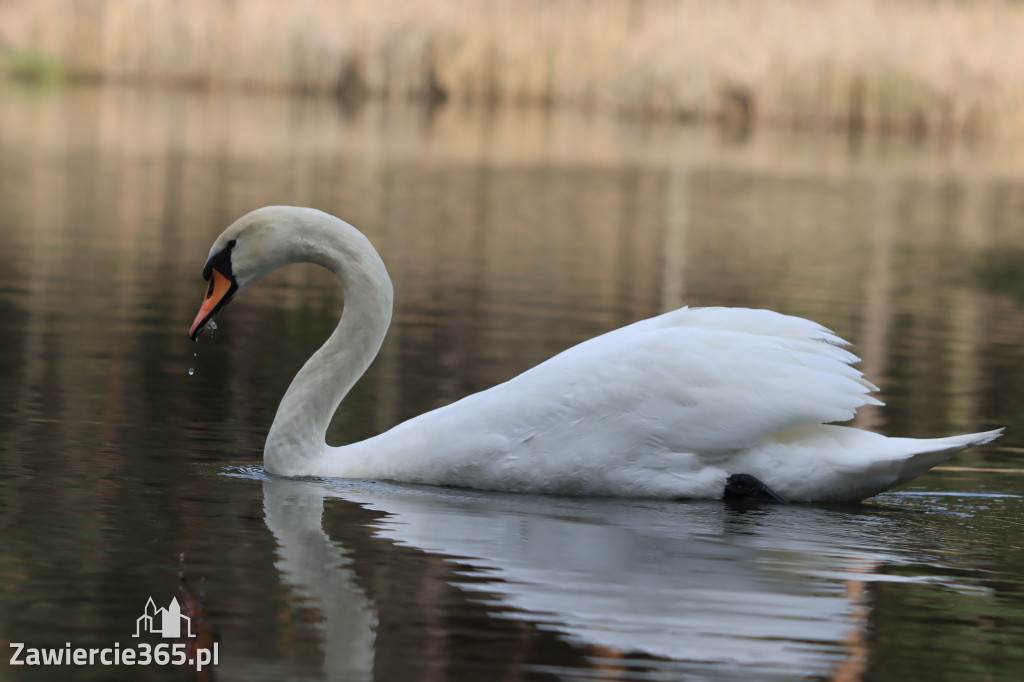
(510,236)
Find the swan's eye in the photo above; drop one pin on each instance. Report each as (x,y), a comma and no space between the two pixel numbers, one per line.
(221,261)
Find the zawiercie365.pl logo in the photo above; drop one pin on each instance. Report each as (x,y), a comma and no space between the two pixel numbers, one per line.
(168,622)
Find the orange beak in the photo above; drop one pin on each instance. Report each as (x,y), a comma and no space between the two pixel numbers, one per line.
(217,296)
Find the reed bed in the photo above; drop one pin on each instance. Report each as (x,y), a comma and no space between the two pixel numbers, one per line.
(924,66)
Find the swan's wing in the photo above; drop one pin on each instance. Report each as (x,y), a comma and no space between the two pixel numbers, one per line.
(709,381)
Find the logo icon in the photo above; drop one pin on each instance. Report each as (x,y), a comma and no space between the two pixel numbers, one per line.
(167,622)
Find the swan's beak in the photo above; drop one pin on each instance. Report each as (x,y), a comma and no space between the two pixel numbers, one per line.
(217,296)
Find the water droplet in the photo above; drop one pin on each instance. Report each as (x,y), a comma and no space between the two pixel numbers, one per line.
(191,371)
(211,325)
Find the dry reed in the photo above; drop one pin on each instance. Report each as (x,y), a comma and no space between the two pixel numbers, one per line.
(913,65)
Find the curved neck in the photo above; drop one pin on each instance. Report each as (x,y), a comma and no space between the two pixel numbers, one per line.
(298,433)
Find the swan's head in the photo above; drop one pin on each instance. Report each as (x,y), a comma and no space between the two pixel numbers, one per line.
(251,248)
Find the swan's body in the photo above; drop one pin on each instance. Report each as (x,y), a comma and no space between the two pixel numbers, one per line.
(667,407)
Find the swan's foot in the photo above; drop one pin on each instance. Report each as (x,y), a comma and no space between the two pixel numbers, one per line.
(747,487)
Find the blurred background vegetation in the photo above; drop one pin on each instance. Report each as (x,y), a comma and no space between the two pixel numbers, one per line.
(918,66)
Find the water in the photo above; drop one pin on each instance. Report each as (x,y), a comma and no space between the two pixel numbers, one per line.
(510,235)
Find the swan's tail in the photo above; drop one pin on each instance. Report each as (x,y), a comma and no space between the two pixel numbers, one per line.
(826,462)
(926,453)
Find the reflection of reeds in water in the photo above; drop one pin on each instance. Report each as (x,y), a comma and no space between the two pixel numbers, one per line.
(864,64)
(511,235)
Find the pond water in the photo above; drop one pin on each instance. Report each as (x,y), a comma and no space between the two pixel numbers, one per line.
(130,457)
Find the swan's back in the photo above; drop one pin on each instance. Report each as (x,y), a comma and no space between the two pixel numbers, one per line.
(720,379)
(657,408)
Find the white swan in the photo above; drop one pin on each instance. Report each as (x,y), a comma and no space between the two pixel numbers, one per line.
(687,404)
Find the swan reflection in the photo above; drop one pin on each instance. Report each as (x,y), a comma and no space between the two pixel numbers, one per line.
(691,585)
(320,572)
